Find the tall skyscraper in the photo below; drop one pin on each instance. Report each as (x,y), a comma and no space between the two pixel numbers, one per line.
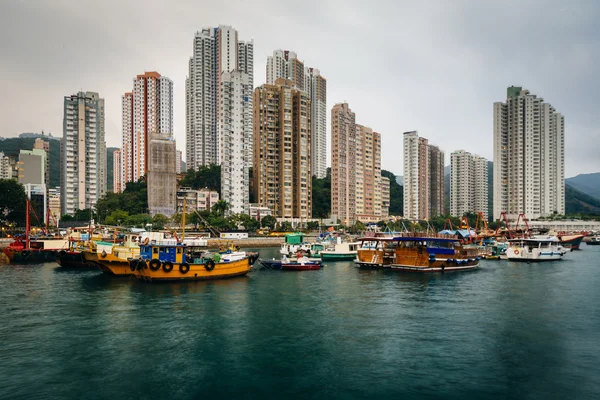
(235,134)
(83,152)
(468,184)
(117,173)
(529,175)
(147,111)
(216,51)
(356,193)
(423,178)
(343,168)
(285,64)
(282,155)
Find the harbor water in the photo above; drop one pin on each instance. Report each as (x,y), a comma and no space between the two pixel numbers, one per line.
(505,331)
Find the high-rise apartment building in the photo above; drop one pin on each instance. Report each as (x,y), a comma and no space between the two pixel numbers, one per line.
(147,111)
(356,193)
(367,169)
(83,152)
(468,184)
(179,162)
(282,152)
(285,64)
(235,137)
(6,170)
(118,186)
(529,175)
(41,144)
(216,51)
(343,158)
(385,196)
(423,178)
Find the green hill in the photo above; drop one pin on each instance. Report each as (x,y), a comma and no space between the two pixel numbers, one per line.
(586,183)
(577,202)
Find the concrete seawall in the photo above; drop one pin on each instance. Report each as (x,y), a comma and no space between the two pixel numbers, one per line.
(251,242)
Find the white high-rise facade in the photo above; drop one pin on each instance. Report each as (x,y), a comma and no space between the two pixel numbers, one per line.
(285,64)
(216,51)
(468,184)
(529,176)
(235,132)
(146,111)
(83,152)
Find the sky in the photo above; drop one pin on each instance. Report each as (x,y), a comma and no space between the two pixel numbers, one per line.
(432,66)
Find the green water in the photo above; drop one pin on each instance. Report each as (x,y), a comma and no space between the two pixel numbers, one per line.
(506,331)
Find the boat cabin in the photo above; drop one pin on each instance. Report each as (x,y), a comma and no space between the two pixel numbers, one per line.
(175,253)
(414,251)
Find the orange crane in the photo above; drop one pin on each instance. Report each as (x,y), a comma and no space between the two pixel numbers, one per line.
(507,226)
(482,222)
(524,218)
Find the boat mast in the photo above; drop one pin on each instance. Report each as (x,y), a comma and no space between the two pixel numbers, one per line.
(183,221)
(27,205)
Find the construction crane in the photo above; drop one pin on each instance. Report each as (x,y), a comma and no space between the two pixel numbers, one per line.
(503,218)
(524,219)
(481,222)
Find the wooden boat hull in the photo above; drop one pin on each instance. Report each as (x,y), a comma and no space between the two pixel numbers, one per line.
(438,265)
(73,259)
(30,256)
(572,242)
(338,256)
(196,272)
(109,264)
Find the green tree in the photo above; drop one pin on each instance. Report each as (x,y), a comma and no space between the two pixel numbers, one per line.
(159,221)
(83,215)
(312,225)
(357,228)
(396,194)
(285,226)
(208,176)
(321,196)
(268,221)
(13,201)
(220,207)
(117,217)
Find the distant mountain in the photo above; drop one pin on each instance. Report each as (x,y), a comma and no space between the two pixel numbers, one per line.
(29,135)
(586,183)
(400,180)
(577,202)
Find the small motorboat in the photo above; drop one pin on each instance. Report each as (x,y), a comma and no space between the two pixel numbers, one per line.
(301,264)
(274,263)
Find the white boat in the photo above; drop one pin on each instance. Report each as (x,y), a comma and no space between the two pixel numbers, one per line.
(341,252)
(537,248)
(594,240)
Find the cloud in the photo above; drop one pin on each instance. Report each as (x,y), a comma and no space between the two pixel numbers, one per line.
(434,66)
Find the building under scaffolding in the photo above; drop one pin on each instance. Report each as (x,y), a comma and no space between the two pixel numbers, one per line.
(161,176)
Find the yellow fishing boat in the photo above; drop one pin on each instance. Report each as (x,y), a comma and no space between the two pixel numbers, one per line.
(180,261)
(113,259)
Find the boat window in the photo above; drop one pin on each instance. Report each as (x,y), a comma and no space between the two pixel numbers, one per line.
(155,250)
(179,250)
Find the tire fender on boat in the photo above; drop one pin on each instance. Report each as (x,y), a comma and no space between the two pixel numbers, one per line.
(132,264)
(103,253)
(141,264)
(167,266)
(184,268)
(209,265)
(155,264)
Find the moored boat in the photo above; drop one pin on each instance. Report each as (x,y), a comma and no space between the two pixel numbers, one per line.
(301,264)
(276,264)
(341,252)
(594,240)
(112,258)
(537,248)
(571,241)
(417,253)
(169,260)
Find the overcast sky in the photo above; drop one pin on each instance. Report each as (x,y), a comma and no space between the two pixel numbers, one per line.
(432,66)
